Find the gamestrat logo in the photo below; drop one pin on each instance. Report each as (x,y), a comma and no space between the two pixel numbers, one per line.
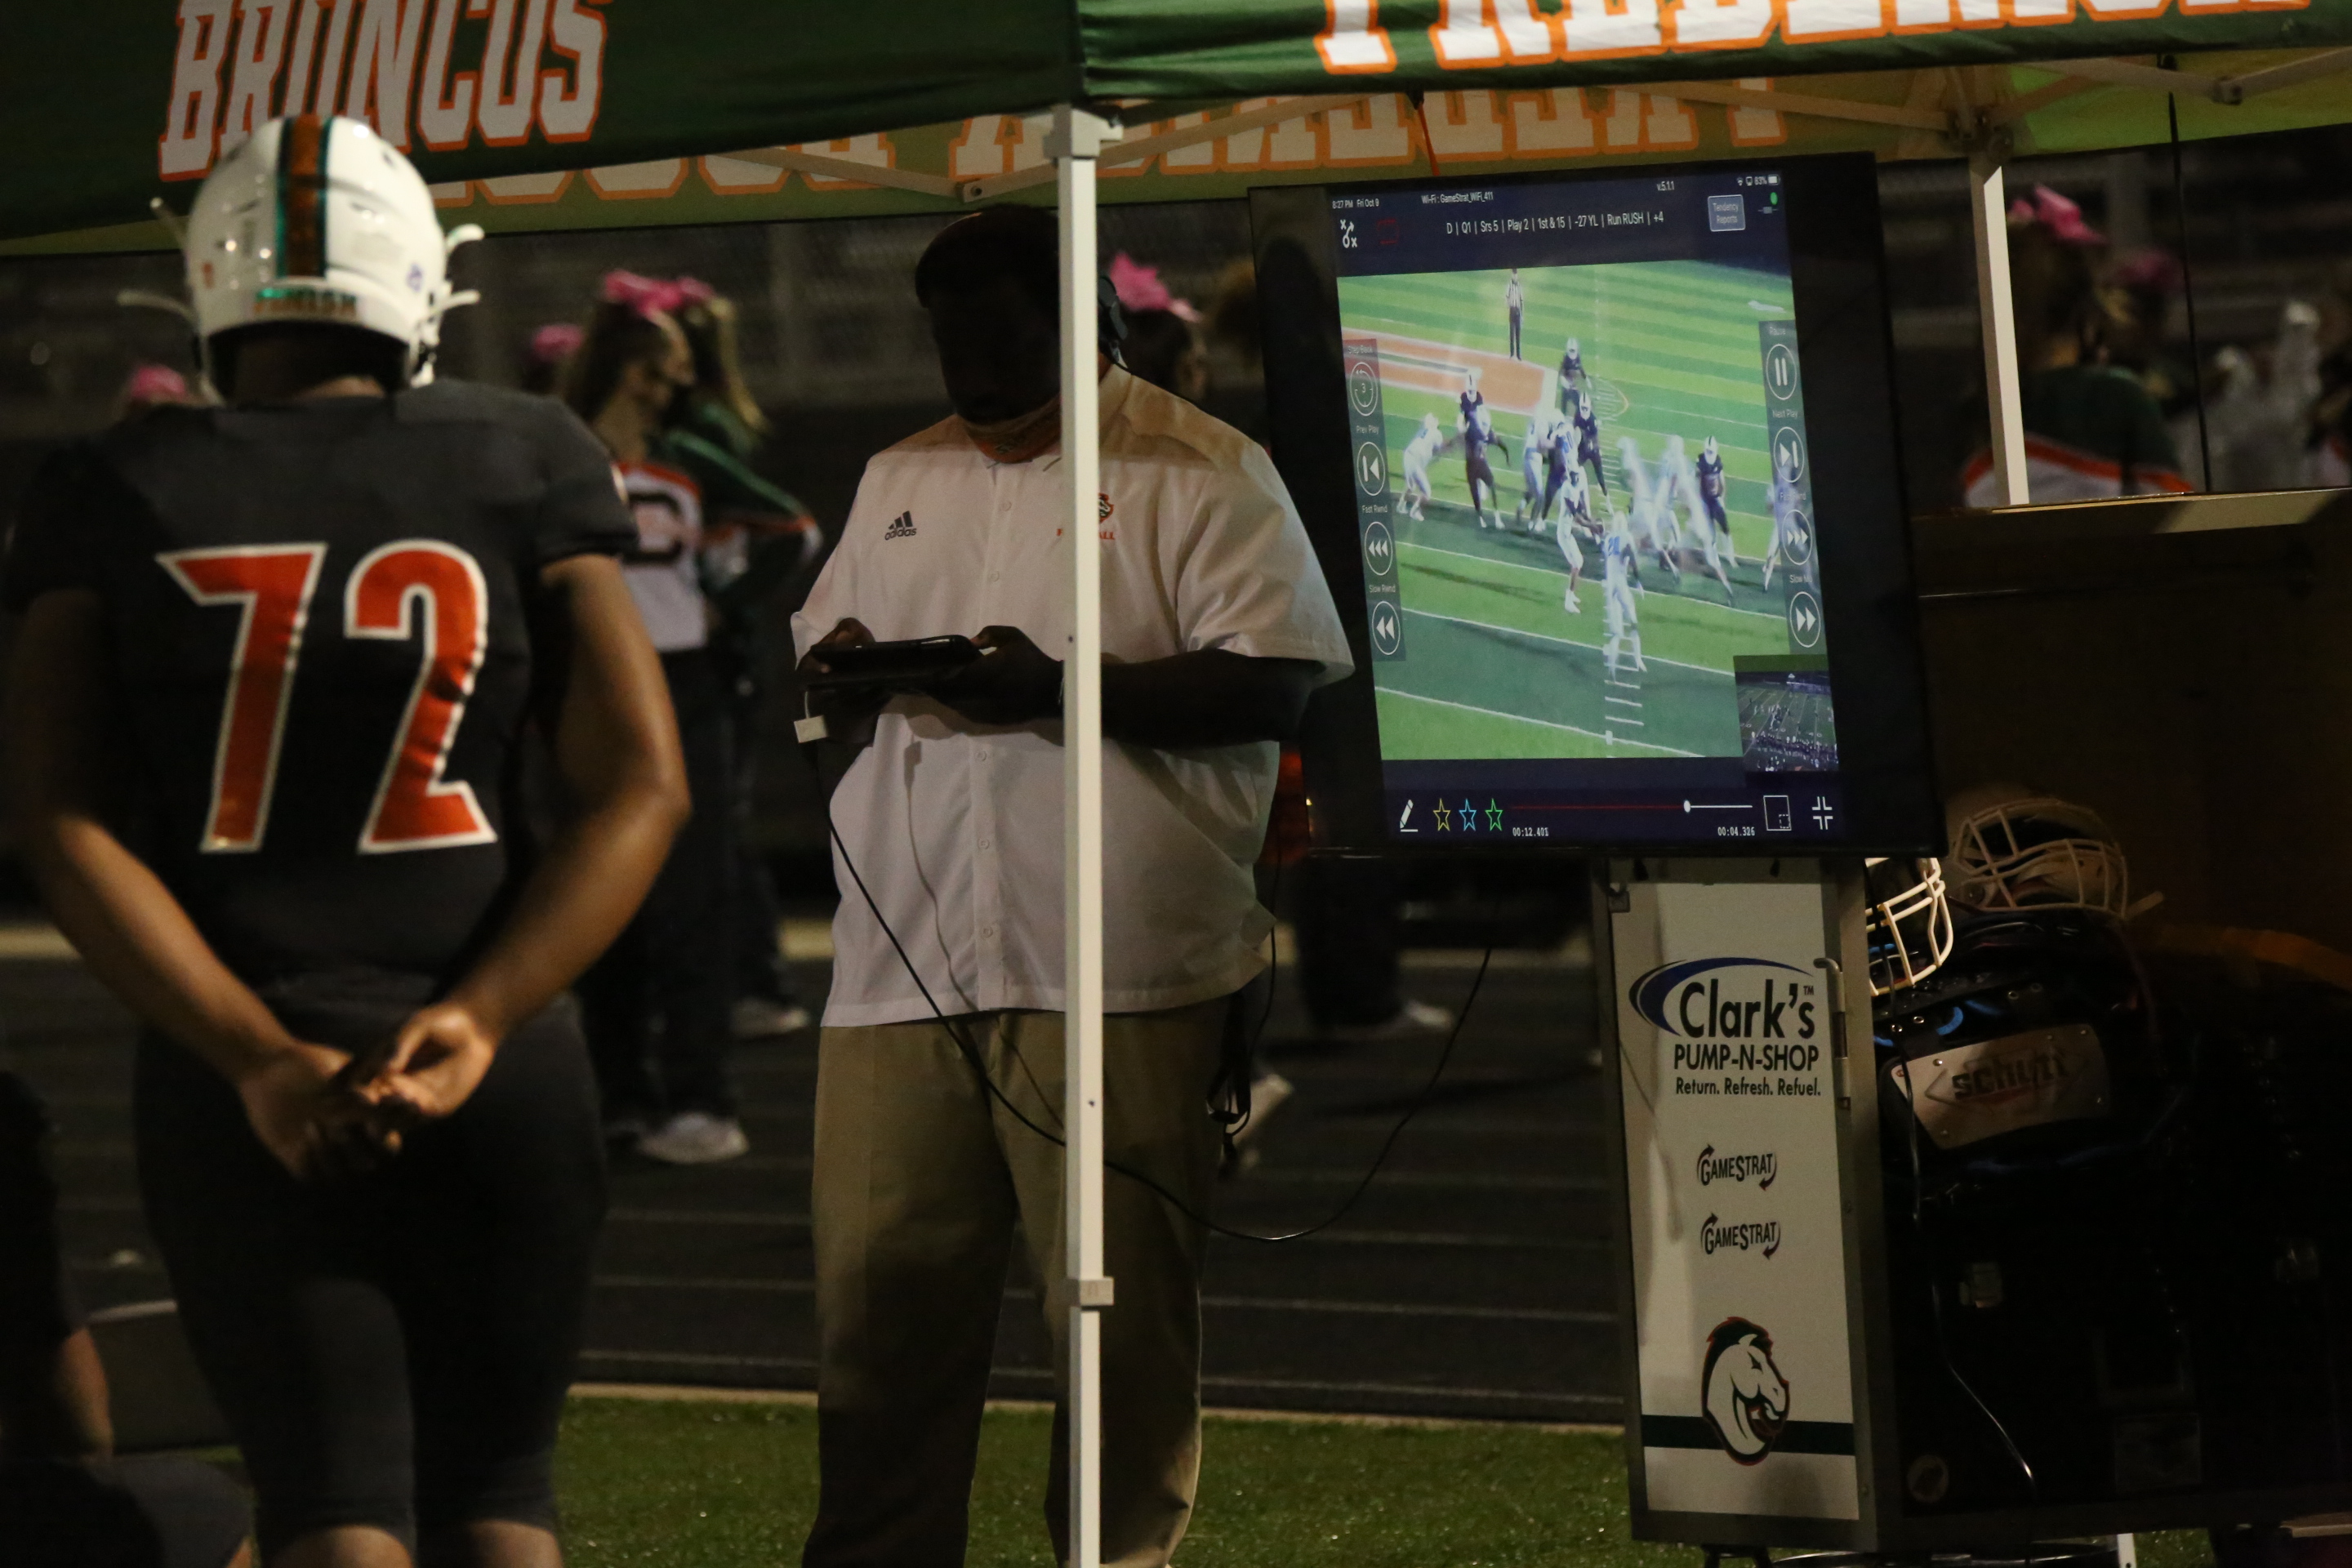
(1745,1399)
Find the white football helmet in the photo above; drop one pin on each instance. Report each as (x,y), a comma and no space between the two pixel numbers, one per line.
(2017,848)
(1470,379)
(1710,448)
(1908,922)
(320,220)
(1572,346)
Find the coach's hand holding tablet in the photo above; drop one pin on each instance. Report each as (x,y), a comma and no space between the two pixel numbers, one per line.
(1012,682)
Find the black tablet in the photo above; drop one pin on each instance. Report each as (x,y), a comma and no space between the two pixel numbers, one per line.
(910,665)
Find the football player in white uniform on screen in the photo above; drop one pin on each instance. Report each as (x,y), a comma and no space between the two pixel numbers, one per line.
(1651,521)
(1620,576)
(1574,529)
(1419,453)
(1533,452)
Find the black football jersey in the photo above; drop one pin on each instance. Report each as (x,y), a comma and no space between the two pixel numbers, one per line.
(321,616)
(1710,476)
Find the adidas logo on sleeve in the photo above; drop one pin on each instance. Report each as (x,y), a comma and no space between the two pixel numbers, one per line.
(901,527)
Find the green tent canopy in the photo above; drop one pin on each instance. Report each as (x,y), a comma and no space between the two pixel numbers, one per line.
(497,98)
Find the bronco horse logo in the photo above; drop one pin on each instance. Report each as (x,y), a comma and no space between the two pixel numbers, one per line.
(1746,1399)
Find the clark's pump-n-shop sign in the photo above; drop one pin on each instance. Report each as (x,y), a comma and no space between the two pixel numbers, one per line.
(1727,1084)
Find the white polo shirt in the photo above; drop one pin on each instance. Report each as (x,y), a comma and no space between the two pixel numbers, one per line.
(957,827)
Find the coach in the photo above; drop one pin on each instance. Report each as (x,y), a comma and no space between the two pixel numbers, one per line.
(1216,625)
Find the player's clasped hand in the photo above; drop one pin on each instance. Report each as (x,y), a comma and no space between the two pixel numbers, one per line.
(436,1063)
(324,1114)
(314,1120)
(1012,682)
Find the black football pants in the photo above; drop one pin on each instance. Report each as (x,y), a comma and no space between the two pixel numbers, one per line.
(391,1349)
(675,962)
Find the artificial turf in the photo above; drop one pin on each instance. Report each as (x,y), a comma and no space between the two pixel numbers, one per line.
(706,1485)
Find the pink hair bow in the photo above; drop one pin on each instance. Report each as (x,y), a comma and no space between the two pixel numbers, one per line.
(1140,288)
(555,342)
(651,296)
(2061,217)
(2155,271)
(155,383)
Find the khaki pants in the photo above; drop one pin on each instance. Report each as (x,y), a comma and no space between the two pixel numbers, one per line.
(920,1178)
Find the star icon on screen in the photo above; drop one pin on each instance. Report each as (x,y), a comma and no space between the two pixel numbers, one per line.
(1445,815)
(1494,815)
(1469,813)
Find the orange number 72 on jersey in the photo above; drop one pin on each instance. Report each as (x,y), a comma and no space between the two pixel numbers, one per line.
(388,592)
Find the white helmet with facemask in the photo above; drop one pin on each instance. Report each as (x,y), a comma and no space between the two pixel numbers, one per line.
(320,221)
(2014,848)
(1908,921)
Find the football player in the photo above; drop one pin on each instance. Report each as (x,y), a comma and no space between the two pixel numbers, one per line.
(1574,529)
(1559,463)
(297,639)
(1476,429)
(1419,453)
(1710,486)
(1620,576)
(1586,422)
(1572,378)
(1652,521)
(1677,482)
(1471,400)
(1541,437)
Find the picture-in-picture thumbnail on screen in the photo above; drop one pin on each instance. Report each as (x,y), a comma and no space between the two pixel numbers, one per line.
(1582,488)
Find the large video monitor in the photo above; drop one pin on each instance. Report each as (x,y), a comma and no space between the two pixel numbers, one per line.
(1613,457)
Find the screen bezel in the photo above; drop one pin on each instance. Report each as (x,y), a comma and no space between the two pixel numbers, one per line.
(1868,598)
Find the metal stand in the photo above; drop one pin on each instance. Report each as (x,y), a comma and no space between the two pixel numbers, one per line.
(1760,1275)
(1997,312)
(1075,141)
(1740,1140)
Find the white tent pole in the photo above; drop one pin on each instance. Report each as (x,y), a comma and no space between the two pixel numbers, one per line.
(1988,209)
(1076,140)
